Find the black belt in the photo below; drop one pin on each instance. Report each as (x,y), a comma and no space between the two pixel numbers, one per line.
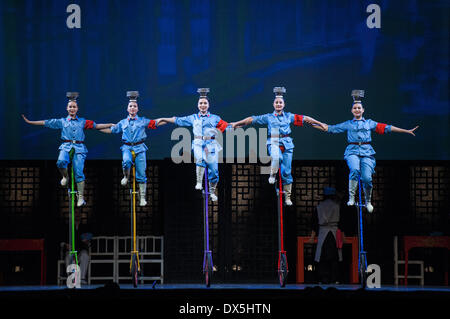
(359,143)
(281,135)
(73,141)
(133,144)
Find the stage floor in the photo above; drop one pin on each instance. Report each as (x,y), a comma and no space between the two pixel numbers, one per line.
(225,289)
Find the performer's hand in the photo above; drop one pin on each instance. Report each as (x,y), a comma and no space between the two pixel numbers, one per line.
(26,120)
(311,121)
(315,123)
(411,131)
(311,240)
(323,126)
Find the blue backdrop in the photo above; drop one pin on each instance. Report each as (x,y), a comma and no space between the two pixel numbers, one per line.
(165,49)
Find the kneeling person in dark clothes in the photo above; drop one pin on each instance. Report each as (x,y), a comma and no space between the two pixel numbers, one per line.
(326,223)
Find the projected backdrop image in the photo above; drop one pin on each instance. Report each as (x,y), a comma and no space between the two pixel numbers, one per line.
(240,50)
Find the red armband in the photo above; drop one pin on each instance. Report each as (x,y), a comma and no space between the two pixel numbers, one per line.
(89,125)
(222,125)
(298,120)
(152,125)
(380,128)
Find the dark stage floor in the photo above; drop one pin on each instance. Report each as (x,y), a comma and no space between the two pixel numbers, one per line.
(218,291)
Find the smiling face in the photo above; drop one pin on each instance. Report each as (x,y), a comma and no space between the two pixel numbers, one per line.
(357,110)
(72,108)
(278,104)
(132,109)
(203,105)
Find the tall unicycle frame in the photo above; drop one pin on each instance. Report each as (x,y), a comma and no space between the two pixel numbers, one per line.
(282,268)
(362,260)
(207,254)
(72,194)
(135,267)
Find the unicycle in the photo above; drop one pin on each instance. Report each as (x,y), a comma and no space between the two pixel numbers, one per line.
(362,261)
(282,259)
(73,253)
(135,268)
(207,254)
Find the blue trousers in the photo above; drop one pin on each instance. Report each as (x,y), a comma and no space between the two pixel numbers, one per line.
(140,161)
(209,159)
(78,164)
(284,160)
(363,166)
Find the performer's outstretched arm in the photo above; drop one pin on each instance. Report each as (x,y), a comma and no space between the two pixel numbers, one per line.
(103,126)
(334,129)
(314,123)
(323,127)
(116,127)
(41,123)
(159,122)
(165,120)
(241,123)
(106,130)
(401,130)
